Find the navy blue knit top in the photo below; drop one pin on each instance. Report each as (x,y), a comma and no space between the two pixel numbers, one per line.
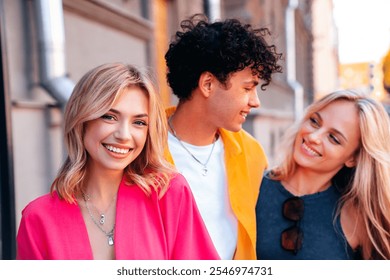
(323,238)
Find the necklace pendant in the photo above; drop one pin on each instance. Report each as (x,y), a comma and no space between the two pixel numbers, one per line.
(102,219)
(204,171)
(111,240)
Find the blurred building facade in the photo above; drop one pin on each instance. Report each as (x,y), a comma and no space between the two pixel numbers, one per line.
(367,77)
(47,45)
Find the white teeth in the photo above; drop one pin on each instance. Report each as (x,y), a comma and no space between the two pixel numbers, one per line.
(244,115)
(311,151)
(116,150)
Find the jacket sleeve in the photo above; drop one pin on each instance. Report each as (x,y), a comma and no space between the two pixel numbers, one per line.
(187,236)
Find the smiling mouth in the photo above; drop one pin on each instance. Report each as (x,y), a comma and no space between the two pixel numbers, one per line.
(244,114)
(116,150)
(310,150)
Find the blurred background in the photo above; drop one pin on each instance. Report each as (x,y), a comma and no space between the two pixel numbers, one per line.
(47,45)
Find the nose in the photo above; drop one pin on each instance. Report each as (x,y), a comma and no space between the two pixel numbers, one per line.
(123,132)
(315,137)
(254,100)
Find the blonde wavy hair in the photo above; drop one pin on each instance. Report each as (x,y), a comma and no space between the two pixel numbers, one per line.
(91,98)
(366,187)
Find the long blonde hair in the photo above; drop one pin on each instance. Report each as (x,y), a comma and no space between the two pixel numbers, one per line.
(366,187)
(92,97)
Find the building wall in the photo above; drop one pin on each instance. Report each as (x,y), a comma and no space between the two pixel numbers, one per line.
(96,34)
(325,51)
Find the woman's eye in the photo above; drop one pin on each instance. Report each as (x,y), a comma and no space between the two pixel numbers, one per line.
(314,121)
(334,139)
(108,117)
(141,123)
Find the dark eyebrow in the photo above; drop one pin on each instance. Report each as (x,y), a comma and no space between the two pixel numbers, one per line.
(137,116)
(335,130)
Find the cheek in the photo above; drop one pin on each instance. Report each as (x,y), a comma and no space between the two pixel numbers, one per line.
(94,135)
(89,146)
(89,138)
(303,131)
(140,137)
(296,145)
(305,128)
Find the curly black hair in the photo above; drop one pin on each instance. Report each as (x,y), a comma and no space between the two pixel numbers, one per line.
(221,48)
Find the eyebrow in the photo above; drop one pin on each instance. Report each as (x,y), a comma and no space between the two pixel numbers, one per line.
(252,82)
(137,116)
(335,130)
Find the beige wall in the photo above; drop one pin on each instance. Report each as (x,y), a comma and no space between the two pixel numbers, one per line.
(90,43)
(324,48)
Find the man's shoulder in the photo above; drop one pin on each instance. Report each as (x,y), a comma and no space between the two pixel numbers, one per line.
(242,138)
(241,143)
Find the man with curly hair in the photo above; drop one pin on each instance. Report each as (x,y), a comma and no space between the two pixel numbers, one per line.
(214,70)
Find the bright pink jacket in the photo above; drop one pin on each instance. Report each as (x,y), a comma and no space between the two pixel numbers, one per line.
(146,227)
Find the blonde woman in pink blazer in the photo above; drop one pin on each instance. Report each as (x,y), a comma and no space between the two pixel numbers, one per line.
(115,196)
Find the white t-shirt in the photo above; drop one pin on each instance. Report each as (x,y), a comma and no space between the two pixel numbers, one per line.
(210,191)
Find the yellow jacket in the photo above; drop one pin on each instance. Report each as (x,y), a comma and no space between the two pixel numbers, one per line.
(245,163)
(386,70)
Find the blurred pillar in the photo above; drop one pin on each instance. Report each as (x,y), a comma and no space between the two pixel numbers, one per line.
(7,189)
(291,59)
(160,19)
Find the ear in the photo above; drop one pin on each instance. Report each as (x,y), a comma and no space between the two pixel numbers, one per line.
(205,83)
(351,162)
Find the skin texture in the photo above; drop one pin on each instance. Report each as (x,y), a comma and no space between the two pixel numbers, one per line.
(324,143)
(122,127)
(230,105)
(327,141)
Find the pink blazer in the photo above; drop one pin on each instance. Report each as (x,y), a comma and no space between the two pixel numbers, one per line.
(146,227)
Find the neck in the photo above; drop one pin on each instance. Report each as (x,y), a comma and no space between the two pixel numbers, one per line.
(307,183)
(102,188)
(190,126)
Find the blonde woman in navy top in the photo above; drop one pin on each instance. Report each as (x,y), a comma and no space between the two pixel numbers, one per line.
(329,198)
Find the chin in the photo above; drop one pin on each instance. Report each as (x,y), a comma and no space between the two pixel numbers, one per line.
(234,128)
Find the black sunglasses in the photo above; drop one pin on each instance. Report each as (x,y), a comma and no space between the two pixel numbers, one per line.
(292,237)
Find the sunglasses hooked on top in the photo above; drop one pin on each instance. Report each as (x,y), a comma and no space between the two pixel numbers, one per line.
(292,237)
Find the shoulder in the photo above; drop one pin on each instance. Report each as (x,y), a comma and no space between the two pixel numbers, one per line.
(243,144)
(350,223)
(268,181)
(241,141)
(241,136)
(178,184)
(42,205)
(178,190)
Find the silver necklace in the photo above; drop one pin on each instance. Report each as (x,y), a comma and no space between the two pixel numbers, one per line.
(102,215)
(109,234)
(204,165)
